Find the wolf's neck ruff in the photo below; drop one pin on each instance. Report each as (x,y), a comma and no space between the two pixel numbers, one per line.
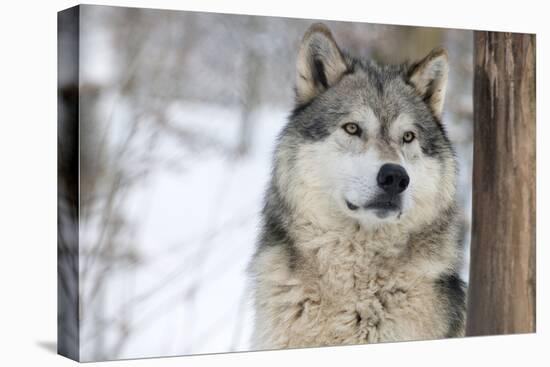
(347,286)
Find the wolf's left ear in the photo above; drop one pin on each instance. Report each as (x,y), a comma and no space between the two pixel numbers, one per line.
(429,77)
(319,65)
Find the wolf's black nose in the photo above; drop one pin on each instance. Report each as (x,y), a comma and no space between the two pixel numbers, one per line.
(393,178)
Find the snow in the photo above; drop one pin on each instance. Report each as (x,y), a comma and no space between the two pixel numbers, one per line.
(197,230)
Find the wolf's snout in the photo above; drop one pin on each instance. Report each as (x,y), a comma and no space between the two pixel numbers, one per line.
(392,178)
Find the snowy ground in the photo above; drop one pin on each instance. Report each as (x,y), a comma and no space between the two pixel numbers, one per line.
(196,234)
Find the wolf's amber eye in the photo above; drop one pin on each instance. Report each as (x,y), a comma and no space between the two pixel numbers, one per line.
(352,128)
(408,137)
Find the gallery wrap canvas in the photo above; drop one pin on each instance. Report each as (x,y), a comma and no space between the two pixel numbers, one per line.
(231,183)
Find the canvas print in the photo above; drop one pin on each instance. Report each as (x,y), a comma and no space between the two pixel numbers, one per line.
(241,183)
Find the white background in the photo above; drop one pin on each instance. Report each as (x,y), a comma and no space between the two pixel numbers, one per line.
(28,222)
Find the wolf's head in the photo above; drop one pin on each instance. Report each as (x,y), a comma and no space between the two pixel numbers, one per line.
(365,141)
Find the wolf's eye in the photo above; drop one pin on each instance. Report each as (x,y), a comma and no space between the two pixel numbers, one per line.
(408,137)
(352,128)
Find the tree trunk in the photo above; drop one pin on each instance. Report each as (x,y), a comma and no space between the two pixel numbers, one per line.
(501,298)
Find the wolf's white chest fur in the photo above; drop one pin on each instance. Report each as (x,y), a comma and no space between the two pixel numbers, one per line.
(345,291)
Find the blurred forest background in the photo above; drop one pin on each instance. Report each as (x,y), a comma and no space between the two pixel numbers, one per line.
(179,112)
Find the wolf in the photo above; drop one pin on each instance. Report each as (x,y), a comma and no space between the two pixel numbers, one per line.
(361,232)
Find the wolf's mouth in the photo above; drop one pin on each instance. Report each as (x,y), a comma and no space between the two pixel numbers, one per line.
(383,205)
(387,204)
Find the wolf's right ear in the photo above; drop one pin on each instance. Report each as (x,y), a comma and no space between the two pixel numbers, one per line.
(320,63)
